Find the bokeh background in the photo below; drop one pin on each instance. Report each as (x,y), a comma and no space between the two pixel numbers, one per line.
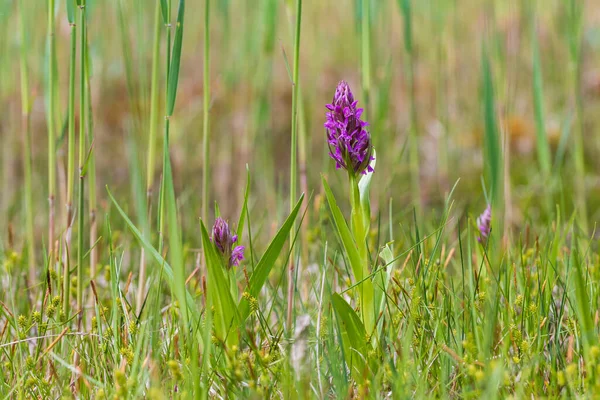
(251,90)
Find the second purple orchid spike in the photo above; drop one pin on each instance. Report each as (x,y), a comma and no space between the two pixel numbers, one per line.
(224,240)
(484,224)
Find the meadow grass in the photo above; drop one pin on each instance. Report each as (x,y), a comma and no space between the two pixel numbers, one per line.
(394,283)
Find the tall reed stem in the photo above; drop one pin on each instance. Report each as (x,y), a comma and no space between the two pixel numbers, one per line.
(293,156)
(50,122)
(413,137)
(26,134)
(366,53)
(91,171)
(71,138)
(206,105)
(70,164)
(161,211)
(151,151)
(153,104)
(82,141)
(575,22)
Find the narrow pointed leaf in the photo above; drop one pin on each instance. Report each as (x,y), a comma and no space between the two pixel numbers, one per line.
(175,60)
(344,233)
(543,148)
(267,261)
(493,157)
(71,11)
(225,310)
(242,220)
(175,247)
(167,270)
(353,336)
(164,7)
(364,186)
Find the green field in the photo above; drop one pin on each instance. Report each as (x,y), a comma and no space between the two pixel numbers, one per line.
(446,249)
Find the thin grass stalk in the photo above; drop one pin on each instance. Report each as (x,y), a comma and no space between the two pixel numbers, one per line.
(413,137)
(302,163)
(50,122)
(151,150)
(71,138)
(161,211)
(543,148)
(26,135)
(70,161)
(293,157)
(304,189)
(91,171)
(366,53)
(493,154)
(132,88)
(206,105)
(439,19)
(82,141)
(153,104)
(575,22)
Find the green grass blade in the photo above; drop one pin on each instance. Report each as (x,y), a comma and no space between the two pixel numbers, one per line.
(493,155)
(345,234)
(225,310)
(175,247)
(267,261)
(165,11)
(242,219)
(543,149)
(582,301)
(353,336)
(70,11)
(175,60)
(360,268)
(166,268)
(364,186)
(382,277)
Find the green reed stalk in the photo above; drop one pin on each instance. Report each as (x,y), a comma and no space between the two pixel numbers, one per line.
(161,211)
(71,144)
(70,158)
(50,122)
(493,151)
(293,155)
(153,104)
(413,137)
(439,21)
(575,25)
(151,149)
(82,141)
(543,148)
(366,52)
(206,105)
(26,133)
(302,138)
(359,225)
(91,169)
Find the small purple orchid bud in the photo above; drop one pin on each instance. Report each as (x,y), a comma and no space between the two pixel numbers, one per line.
(349,142)
(484,224)
(224,240)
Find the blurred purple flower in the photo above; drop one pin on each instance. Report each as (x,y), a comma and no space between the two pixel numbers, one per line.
(484,223)
(349,142)
(223,239)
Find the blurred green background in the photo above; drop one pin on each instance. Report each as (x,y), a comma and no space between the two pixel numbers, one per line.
(251,47)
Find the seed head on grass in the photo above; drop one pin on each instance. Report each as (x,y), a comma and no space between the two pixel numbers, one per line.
(349,142)
(484,223)
(224,240)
